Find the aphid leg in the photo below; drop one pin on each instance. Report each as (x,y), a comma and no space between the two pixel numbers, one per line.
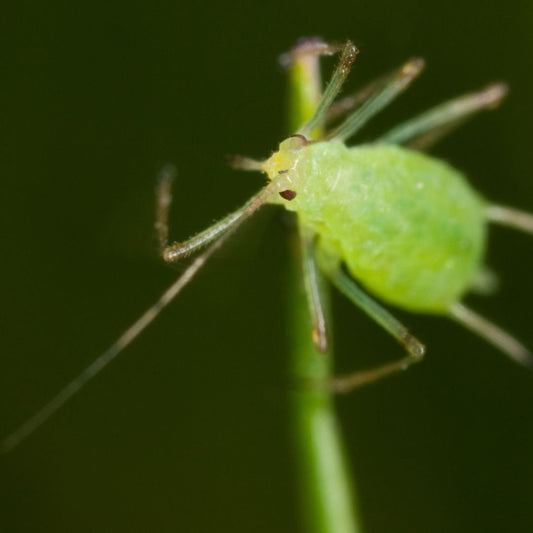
(313,283)
(427,128)
(344,105)
(492,333)
(149,315)
(378,313)
(178,250)
(508,216)
(396,84)
(348,55)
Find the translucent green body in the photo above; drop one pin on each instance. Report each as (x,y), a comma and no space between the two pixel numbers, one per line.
(408,226)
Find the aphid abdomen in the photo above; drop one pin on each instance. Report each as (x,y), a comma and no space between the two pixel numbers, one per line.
(409,227)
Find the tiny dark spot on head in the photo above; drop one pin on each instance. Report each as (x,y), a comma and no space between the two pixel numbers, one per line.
(284,171)
(288,194)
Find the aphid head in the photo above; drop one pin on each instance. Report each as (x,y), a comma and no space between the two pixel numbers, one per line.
(286,158)
(281,166)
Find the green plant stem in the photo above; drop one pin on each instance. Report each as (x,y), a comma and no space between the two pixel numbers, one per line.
(326,491)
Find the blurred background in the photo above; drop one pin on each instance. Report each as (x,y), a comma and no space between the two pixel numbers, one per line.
(189,430)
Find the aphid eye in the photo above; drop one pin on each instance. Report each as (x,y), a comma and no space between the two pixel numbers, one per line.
(283,171)
(288,194)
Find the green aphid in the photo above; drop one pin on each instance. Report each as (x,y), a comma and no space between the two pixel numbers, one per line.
(381,218)
(406,225)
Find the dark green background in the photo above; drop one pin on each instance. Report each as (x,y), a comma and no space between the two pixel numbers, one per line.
(189,431)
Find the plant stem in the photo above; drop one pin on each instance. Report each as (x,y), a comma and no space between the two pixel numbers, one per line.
(326,492)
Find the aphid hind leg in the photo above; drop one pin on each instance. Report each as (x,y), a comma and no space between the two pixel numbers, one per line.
(415,349)
(509,216)
(492,333)
(426,129)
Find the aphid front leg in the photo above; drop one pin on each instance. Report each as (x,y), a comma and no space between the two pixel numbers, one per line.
(348,55)
(413,346)
(383,96)
(178,250)
(424,130)
(301,63)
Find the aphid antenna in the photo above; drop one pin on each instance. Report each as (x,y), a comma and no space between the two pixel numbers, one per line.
(127,337)
(215,238)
